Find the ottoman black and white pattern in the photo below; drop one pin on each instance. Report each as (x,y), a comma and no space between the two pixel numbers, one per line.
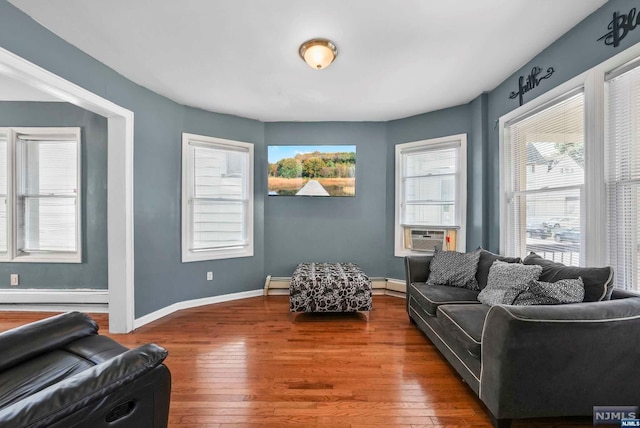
(329,287)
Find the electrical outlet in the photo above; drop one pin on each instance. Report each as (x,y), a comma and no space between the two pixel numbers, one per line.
(209,276)
(14,279)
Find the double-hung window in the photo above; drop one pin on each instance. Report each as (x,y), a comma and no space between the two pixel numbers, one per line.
(570,179)
(40,191)
(217,198)
(431,192)
(543,178)
(622,173)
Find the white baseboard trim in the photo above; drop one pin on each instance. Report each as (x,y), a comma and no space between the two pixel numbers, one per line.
(62,307)
(50,300)
(48,296)
(178,306)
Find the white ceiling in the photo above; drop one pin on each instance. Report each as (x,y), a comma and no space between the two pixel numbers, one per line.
(396,58)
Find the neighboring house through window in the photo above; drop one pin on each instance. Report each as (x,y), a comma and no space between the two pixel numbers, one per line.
(40,191)
(217,198)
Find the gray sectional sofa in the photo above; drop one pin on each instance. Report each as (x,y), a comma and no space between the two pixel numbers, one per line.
(534,361)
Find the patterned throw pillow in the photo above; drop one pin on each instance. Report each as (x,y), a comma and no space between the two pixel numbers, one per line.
(454,269)
(551,293)
(598,281)
(506,281)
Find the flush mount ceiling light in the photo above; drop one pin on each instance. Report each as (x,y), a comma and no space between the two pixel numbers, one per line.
(318,53)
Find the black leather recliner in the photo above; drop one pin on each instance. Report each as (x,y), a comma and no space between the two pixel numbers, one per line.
(59,372)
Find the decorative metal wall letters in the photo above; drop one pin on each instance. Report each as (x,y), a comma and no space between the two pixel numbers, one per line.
(532,81)
(620,26)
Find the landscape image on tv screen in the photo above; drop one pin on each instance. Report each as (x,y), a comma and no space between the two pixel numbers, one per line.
(312,170)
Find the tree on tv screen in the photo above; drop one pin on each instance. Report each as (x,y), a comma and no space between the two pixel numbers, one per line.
(315,165)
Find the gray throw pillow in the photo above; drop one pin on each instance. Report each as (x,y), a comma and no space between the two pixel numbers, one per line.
(454,269)
(551,293)
(506,281)
(486,261)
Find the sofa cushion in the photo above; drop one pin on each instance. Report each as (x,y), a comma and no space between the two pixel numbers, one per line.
(465,322)
(484,264)
(454,269)
(551,293)
(598,282)
(506,281)
(429,297)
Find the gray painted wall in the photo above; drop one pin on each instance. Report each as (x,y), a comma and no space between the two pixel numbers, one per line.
(574,53)
(476,213)
(160,277)
(299,229)
(290,230)
(92,272)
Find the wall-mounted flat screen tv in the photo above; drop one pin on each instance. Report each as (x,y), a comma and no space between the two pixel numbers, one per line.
(312,170)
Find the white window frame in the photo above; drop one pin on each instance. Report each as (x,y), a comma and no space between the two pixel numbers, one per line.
(461,192)
(507,222)
(13,255)
(225,252)
(595,199)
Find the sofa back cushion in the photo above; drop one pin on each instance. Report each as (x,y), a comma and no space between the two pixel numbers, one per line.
(484,264)
(598,281)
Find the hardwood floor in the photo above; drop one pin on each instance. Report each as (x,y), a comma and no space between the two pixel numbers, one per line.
(245,363)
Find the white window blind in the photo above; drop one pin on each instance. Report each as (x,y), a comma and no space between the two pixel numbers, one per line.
(40,216)
(622,174)
(4,140)
(47,193)
(217,198)
(429,185)
(545,173)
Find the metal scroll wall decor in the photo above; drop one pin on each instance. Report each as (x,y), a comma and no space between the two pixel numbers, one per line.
(620,26)
(527,83)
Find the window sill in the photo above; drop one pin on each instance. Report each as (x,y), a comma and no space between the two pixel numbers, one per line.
(43,259)
(188,256)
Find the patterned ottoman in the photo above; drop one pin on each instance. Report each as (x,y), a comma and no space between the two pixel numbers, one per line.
(329,287)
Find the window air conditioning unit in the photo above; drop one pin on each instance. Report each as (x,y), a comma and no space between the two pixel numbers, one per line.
(428,240)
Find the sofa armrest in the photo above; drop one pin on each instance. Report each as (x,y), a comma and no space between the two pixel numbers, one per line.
(560,360)
(617,293)
(27,341)
(57,402)
(417,268)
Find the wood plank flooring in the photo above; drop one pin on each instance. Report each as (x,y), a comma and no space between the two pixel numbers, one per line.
(246,363)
